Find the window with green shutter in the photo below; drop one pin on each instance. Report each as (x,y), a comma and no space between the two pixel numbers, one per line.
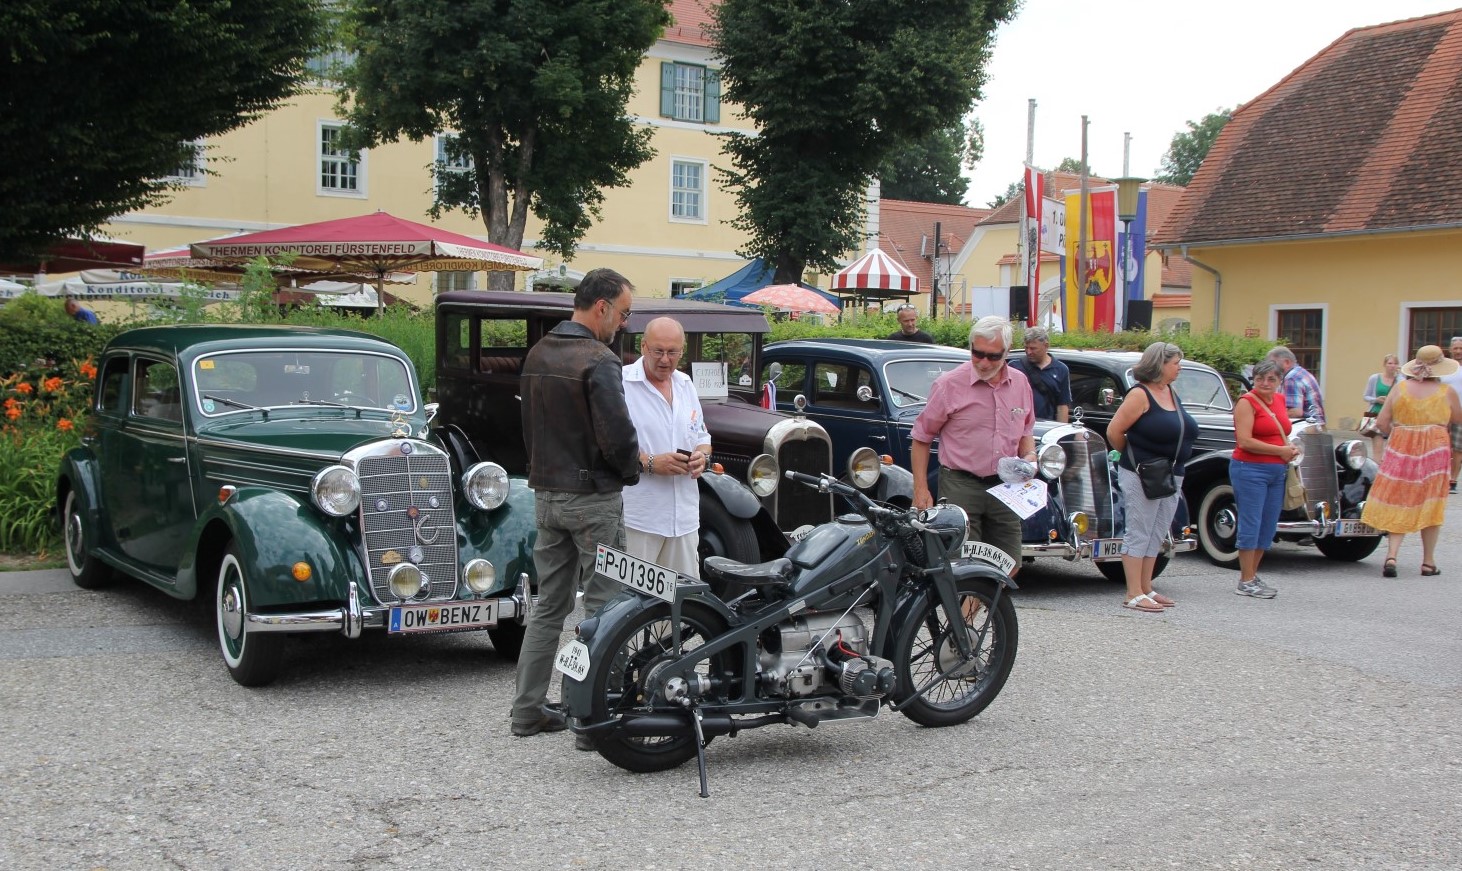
(690,93)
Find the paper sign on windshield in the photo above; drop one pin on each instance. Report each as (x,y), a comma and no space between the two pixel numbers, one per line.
(710,380)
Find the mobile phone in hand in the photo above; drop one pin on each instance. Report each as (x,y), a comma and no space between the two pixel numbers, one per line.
(683,452)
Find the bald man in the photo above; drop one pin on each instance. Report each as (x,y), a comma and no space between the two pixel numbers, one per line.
(662,512)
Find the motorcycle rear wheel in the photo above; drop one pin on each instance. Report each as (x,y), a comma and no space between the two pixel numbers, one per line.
(925,647)
(636,648)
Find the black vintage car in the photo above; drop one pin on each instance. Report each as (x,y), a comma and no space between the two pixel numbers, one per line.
(746,512)
(868,393)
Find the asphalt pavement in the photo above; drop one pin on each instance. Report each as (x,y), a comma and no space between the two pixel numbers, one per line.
(1319,729)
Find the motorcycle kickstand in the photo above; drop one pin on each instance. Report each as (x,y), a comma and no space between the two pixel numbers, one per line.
(700,750)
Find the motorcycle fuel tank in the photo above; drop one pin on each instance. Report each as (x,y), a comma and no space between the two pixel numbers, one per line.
(832,551)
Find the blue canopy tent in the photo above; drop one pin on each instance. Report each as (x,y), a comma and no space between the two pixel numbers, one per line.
(755,275)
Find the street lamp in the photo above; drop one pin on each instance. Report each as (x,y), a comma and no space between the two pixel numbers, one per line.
(1127,190)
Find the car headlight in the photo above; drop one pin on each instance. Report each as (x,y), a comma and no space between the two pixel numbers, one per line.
(1080,522)
(336,491)
(1051,460)
(864,467)
(1294,442)
(406,580)
(480,575)
(1352,453)
(762,475)
(485,485)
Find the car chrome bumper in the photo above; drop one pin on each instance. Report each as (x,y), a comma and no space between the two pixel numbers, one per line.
(1082,550)
(354,617)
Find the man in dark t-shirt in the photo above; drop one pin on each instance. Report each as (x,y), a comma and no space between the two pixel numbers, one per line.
(1050,379)
(908,330)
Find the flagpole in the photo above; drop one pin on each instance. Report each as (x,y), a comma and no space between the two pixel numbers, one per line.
(1082,204)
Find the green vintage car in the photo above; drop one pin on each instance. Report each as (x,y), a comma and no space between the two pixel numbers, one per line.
(289,477)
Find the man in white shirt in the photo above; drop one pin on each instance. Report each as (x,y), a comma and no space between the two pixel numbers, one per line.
(662,511)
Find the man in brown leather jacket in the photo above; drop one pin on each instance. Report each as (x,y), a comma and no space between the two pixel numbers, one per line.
(582,452)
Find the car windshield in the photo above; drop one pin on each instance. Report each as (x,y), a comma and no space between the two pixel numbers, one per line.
(1199,389)
(239,381)
(909,380)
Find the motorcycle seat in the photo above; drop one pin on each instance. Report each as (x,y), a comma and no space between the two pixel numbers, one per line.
(725,570)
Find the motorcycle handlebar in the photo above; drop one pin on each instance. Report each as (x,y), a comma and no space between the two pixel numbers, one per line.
(870,508)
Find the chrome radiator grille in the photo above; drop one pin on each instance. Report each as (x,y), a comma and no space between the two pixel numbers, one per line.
(406,515)
(796,504)
(1086,485)
(1317,472)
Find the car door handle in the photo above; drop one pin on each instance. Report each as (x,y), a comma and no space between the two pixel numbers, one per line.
(177,459)
(877,438)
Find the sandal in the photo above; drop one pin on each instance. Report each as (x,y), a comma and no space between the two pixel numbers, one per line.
(1161,599)
(1143,602)
(1428,570)
(1388,568)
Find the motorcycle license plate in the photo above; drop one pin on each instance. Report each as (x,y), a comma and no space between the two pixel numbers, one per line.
(1352,527)
(988,553)
(637,574)
(443,617)
(1106,548)
(573,660)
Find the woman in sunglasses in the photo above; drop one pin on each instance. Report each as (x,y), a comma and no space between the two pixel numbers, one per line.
(1150,425)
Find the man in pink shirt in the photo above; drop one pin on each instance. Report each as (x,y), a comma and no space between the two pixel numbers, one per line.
(980,411)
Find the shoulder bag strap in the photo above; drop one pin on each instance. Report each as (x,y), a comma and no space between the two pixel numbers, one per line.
(1178,407)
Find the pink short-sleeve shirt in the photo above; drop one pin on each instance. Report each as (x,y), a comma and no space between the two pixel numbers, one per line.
(977,422)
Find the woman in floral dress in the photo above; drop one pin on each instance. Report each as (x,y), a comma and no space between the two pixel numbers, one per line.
(1410,494)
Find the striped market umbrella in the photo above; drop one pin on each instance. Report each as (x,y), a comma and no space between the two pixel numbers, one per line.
(875,274)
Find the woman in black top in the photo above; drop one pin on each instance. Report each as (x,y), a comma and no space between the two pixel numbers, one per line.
(1150,424)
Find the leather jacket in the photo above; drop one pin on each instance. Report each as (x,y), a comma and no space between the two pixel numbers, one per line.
(576,427)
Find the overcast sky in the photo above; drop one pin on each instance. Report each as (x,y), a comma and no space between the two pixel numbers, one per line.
(1188,60)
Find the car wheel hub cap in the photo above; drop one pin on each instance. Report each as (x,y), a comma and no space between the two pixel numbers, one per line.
(73,537)
(1225,523)
(231,613)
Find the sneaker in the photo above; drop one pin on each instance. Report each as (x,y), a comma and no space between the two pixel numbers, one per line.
(1256,590)
(551,721)
(1260,581)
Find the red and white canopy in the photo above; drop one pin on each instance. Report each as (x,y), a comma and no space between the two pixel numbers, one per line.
(875,271)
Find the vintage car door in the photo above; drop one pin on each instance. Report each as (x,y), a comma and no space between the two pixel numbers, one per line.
(147,496)
(834,402)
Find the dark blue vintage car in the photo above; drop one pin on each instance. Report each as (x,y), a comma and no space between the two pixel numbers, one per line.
(868,392)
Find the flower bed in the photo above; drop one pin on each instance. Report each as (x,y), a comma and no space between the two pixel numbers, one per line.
(44,412)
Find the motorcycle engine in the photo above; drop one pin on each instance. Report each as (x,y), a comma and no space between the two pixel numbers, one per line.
(821,654)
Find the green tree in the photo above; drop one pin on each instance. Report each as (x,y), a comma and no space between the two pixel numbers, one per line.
(928,171)
(534,93)
(834,88)
(1011,193)
(1187,150)
(104,98)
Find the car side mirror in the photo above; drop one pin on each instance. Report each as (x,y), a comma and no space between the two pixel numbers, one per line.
(774,372)
(865,393)
(1109,397)
(799,402)
(431,409)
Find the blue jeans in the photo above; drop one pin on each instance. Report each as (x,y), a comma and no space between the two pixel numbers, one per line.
(1259,494)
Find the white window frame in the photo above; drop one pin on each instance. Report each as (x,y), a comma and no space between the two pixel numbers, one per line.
(317,67)
(440,286)
(703,167)
(439,143)
(690,97)
(685,285)
(320,157)
(198,177)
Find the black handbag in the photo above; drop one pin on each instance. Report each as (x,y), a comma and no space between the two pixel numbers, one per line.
(1156,474)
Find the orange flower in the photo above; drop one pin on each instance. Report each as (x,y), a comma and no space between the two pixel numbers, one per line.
(13,412)
(51,385)
(12,402)
(24,387)
(65,425)
(88,371)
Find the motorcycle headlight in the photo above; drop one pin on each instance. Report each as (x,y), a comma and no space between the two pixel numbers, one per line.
(1352,453)
(1051,461)
(406,580)
(485,485)
(762,475)
(480,575)
(336,491)
(864,467)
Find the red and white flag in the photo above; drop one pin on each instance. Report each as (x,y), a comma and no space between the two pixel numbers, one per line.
(769,395)
(1031,233)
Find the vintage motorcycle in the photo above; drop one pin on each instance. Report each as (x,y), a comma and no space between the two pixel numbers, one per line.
(873,608)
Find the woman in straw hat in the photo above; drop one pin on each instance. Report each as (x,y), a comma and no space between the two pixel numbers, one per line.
(1410,494)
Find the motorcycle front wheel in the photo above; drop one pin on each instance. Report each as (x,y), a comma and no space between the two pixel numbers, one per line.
(628,684)
(925,647)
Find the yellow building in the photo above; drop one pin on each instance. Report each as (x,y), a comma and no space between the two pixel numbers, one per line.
(1329,211)
(667,231)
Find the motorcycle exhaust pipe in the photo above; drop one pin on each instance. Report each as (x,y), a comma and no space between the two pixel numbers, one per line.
(677,726)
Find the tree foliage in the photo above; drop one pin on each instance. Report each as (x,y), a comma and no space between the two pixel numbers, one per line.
(1187,150)
(834,88)
(534,91)
(101,99)
(928,171)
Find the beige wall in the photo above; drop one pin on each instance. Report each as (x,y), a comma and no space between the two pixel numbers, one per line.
(1365,286)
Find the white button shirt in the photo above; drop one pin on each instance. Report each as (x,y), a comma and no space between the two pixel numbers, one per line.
(667,505)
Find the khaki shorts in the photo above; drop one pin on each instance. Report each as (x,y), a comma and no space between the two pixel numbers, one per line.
(991,520)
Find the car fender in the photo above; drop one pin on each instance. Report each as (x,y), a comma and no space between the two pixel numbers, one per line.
(272,531)
(895,485)
(1353,492)
(503,536)
(79,472)
(735,496)
(1202,472)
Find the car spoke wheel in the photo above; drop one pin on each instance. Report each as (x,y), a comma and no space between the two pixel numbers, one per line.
(926,647)
(87,571)
(1218,525)
(252,657)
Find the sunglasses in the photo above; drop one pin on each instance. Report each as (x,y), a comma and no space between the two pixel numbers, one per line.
(992,356)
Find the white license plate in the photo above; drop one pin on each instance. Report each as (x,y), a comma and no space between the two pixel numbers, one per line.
(638,575)
(1106,548)
(443,617)
(573,660)
(1352,527)
(988,553)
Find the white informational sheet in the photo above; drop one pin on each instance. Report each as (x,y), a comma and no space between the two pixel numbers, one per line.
(1024,499)
(710,380)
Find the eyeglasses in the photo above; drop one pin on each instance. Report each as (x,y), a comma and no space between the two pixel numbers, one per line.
(992,356)
(907,307)
(623,315)
(659,354)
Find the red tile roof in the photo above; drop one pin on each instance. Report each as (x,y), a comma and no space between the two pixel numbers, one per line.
(905,229)
(1361,137)
(692,18)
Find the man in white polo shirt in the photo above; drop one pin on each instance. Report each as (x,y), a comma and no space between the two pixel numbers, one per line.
(662,511)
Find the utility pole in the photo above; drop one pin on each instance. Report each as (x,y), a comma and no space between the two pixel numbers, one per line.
(1080,266)
(934,272)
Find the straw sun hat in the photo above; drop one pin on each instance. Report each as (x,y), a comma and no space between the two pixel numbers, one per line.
(1430,362)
